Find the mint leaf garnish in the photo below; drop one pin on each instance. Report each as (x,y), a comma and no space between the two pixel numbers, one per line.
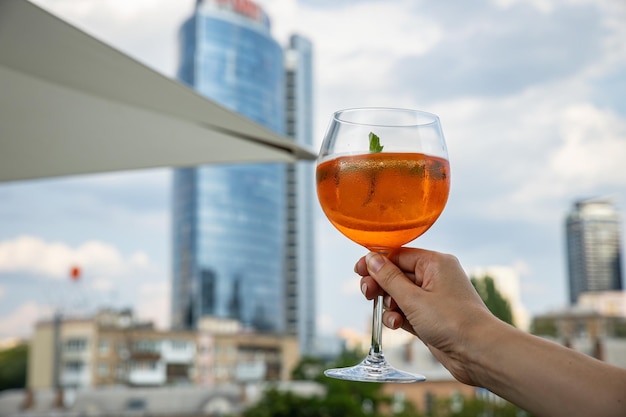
(375,143)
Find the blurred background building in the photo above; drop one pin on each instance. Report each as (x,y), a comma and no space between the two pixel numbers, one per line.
(593,248)
(243,233)
(113,348)
(300,293)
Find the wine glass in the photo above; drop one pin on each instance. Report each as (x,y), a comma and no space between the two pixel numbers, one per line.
(383,179)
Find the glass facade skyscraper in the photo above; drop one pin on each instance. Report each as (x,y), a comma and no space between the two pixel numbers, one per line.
(229,220)
(300,297)
(593,248)
(238,230)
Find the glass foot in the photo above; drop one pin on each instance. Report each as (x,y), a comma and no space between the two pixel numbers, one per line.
(373,371)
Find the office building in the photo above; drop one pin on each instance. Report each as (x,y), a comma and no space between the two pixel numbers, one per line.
(593,248)
(300,251)
(238,251)
(229,220)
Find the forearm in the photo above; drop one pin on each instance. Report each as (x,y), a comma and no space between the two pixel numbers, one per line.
(545,378)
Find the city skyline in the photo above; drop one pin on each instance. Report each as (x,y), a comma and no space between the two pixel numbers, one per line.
(534,121)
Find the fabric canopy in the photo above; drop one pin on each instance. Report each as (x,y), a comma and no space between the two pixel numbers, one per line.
(70,104)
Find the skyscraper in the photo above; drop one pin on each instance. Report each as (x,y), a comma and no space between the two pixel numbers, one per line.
(593,248)
(235,227)
(300,262)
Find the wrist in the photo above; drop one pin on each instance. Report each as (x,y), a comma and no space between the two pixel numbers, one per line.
(480,352)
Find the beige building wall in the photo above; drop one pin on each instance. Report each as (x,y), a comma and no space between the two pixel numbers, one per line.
(41,357)
(279,354)
(73,330)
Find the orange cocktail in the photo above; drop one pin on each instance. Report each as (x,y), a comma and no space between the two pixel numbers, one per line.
(383,200)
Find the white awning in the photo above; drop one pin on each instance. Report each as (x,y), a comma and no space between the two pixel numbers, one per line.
(70,104)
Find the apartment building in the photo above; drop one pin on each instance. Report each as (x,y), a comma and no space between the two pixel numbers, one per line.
(115,348)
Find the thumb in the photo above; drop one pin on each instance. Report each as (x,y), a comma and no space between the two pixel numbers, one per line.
(390,278)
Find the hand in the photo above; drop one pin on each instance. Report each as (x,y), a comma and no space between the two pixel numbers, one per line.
(428,294)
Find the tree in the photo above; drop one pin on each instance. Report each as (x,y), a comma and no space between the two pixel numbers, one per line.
(13,363)
(493,299)
(275,403)
(364,399)
(544,327)
(343,398)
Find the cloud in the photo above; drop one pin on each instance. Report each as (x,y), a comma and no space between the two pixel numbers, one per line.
(593,147)
(492,52)
(109,279)
(101,207)
(154,303)
(97,260)
(536,151)
(585,160)
(356,44)
(20,322)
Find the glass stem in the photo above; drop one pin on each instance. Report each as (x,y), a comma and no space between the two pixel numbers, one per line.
(377,327)
(376,347)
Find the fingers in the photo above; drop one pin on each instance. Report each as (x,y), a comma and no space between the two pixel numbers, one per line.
(407,259)
(393,319)
(370,288)
(360,267)
(413,262)
(389,278)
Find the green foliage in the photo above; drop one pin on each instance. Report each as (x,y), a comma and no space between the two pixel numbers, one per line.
(619,327)
(544,327)
(357,392)
(495,302)
(363,399)
(308,369)
(13,364)
(342,399)
(284,404)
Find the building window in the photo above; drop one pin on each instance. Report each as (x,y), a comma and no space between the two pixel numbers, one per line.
(146,345)
(120,371)
(178,344)
(103,369)
(75,345)
(74,366)
(103,347)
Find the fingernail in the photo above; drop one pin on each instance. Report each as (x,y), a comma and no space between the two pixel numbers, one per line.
(374,261)
(364,288)
(391,322)
(387,301)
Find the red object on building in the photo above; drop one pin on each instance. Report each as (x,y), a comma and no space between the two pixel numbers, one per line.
(75,273)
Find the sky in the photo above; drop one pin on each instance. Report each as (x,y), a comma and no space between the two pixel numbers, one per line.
(531,99)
